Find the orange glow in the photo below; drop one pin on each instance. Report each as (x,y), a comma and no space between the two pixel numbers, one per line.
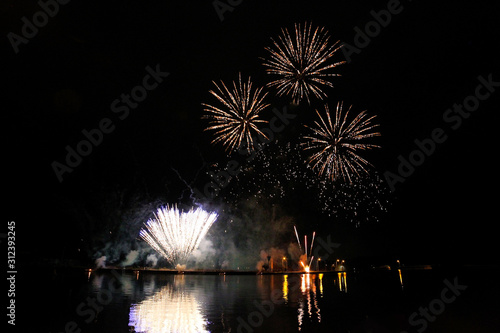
(306,268)
(321,284)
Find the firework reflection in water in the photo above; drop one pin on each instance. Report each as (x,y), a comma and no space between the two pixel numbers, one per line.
(172,309)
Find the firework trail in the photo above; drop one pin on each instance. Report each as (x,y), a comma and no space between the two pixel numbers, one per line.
(300,62)
(305,244)
(296,234)
(335,144)
(176,234)
(235,123)
(312,243)
(306,267)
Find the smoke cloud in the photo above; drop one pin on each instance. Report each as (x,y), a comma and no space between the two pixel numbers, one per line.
(237,240)
(274,262)
(130,258)
(100,262)
(151,260)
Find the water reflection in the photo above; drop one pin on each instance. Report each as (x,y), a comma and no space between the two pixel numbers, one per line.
(285,288)
(172,309)
(342,281)
(320,276)
(309,303)
(89,273)
(156,302)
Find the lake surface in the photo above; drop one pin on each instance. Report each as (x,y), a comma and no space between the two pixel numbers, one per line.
(436,300)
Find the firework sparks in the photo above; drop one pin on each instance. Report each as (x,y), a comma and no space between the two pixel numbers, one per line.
(305,256)
(300,61)
(235,123)
(364,200)
(312,243)
(279,172)
(335,144)
(296,234)
(176,234)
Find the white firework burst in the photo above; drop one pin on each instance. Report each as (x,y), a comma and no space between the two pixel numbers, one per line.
(176,234)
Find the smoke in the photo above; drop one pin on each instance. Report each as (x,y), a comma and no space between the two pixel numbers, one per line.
(294,251)
(152,259)
(130,258)
(274,262)
(205,255)
(119,242)
(100,262)
(180,267)
(234,242)
(125,252)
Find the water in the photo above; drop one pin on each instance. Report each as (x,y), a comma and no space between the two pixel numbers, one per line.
(372,301)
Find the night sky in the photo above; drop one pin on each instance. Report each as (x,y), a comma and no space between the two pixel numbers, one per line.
(65,78)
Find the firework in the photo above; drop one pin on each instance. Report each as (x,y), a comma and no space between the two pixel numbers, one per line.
(172,309)
(335,144)
(275,172)
(305,256)
(235,123)
(279,172)
(365,200)
(176,234)
(301,62)
(297,234)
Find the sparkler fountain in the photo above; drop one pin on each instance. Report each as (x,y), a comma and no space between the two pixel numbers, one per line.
(176,234)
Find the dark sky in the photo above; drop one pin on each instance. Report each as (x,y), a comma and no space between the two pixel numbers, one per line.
(64,79)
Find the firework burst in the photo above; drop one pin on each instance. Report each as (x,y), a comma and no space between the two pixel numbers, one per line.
(235,123)
(176,234)
(335,144)
(301,62)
